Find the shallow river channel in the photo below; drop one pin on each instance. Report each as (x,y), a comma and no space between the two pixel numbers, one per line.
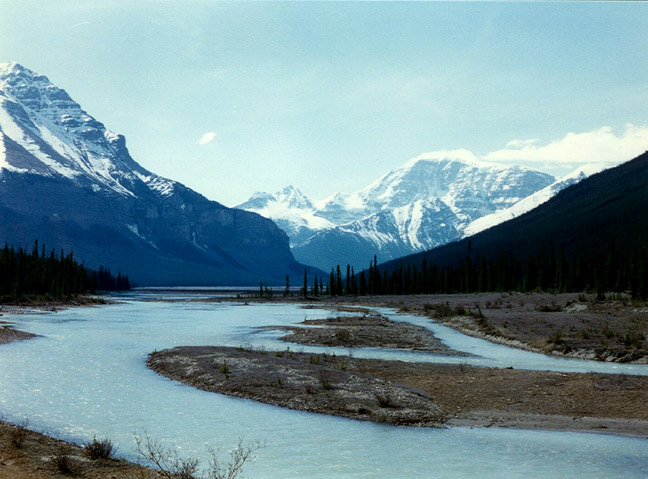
(86,376)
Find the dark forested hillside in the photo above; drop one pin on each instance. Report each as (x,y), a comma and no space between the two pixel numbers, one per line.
(593,235)
(55,276)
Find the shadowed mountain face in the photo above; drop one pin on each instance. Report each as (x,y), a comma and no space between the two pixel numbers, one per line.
(70,183)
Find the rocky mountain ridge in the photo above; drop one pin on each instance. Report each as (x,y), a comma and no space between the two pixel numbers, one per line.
(431,200)
(71,183)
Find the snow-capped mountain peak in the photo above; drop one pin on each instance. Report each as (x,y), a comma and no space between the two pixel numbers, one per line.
(293,198)
(457,177)
(424,203)
(290,209)
(59,138)
(460,155)
(289,197)
(71,183)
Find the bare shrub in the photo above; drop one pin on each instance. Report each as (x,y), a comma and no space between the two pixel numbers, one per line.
(96,449)
(441,310)
(17,436)
(167,460)
(460,310)
(172,466)
(62,460)
(230,469)
(486,326)
(325,379)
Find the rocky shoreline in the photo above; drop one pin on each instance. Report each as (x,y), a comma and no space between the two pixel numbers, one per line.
(415,394)
(8,334)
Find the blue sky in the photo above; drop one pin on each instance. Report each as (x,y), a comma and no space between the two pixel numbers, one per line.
(233,97)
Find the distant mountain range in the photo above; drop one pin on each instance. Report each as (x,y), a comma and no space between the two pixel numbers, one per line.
(592,235)
(70,183)
(434,199)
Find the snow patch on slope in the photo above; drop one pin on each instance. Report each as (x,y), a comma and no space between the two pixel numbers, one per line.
(289,206)
(4,165)
(135,230)
(17,134)
(68,142)
(531,202)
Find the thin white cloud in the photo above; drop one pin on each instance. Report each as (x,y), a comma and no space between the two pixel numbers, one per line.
(207,138)
(79,25)
(522,143)
(598,146)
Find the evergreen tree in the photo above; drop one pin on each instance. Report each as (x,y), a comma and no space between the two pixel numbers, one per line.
(287,287)
(347,289)
(363,283)
(56,277)
(305,288)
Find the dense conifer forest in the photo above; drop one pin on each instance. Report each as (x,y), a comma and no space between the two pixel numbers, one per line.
(547,270)
(50,276)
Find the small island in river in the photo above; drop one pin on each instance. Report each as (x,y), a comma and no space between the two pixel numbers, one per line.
(403,393)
